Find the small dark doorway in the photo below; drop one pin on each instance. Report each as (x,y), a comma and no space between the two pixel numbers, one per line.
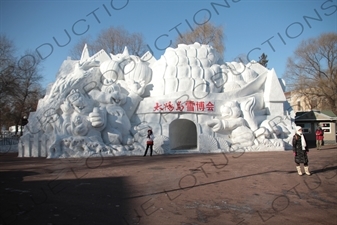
(183,135)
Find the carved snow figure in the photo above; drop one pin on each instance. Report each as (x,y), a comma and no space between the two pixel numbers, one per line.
(130,72)
(234,125)
(79,125)
(78,135)
(116,128)
(238,75)
(133,75)
(76,131)
(80,118)
(80,103)
(234,78)
(53,130)
(271,134)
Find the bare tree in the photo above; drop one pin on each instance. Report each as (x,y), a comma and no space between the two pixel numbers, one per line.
(7,67)
(208,34)
(8,80)
(28,91)
(20,89)
(312,70)
(112,40)
(7,51)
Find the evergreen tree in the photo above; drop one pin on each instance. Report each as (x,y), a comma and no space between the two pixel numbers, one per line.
(263,60)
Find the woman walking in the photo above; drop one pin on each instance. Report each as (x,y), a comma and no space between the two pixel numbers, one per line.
(300,150)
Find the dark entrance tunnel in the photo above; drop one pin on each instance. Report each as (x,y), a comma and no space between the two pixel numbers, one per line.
(183,135)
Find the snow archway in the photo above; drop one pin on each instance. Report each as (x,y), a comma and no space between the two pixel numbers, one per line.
(183,135)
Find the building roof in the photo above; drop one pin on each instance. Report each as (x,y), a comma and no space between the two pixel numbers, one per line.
(316,116)
(328,113)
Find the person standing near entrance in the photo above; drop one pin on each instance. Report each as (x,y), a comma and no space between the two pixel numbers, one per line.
(300,150)
(319,138)
(149,142)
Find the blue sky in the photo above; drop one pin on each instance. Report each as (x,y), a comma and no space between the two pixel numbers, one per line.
(251,26)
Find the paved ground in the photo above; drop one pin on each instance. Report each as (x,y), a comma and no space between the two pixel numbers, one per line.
(251,188)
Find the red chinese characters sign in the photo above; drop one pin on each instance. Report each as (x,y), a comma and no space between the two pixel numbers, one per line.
(187,106)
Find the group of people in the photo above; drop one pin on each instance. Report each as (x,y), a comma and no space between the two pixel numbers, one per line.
(301,149)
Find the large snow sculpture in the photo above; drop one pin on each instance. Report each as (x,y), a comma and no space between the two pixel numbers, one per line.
(104,104)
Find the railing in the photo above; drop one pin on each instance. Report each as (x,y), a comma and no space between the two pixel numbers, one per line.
(8,142)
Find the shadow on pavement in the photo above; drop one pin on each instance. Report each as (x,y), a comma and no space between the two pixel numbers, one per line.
(326,169)
(57,201)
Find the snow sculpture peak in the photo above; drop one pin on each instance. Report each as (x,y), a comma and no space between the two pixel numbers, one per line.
(85,55)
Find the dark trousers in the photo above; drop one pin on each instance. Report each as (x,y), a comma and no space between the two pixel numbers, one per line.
(151,149)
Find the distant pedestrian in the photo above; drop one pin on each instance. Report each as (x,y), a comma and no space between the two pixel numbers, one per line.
(149,142)
(300,150)
(319,138)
